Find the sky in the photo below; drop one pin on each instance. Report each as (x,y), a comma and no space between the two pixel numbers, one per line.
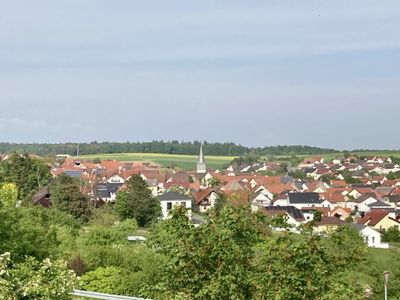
(259,73)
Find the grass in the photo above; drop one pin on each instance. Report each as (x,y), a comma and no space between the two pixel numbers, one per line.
(379,259)
(186,162)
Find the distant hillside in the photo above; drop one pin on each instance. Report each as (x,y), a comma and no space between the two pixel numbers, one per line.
(173,147)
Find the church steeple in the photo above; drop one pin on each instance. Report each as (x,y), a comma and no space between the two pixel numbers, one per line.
(201,163)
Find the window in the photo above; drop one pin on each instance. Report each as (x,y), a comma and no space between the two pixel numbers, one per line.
(183,204)
(169,205)
(373,240)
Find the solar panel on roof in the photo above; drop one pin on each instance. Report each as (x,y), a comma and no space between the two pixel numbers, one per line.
(73,173)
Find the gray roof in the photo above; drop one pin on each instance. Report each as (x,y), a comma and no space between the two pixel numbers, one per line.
(358,227)
(172,196)
(379,204)
(306,198)
(394,198)
(291,210)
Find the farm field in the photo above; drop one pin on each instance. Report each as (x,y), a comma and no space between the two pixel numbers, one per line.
(186,162)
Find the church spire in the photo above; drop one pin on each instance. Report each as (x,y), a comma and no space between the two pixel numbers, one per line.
(201,163)
(200,158)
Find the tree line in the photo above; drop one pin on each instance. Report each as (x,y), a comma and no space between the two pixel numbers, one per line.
(165,147)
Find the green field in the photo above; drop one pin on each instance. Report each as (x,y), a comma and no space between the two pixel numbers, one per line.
(186,162)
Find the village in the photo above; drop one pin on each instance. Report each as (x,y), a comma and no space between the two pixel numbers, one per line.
(325,197)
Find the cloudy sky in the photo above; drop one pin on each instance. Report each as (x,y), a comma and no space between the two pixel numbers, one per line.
(260,72)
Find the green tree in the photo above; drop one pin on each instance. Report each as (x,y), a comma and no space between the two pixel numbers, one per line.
(27,232)
(104,280)
(299,174)
(33,280)
(137,202)
(211,261)
(299,267)
(214,182)
(28,174)
(67,197)
(8,195)
(391,235)
(220,202)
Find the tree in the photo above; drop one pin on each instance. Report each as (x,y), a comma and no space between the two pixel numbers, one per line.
(234,256)
(211,261)
(35,280)
(67,197)
(137,202)
(28,174)
(8,195)
(300,267)
(28,232)
(299,174)
(214,182)
(220,202)
(391,235)
(104,280)
(348,177)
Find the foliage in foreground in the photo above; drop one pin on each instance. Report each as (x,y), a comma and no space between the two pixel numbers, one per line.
(33,279)
(234,256)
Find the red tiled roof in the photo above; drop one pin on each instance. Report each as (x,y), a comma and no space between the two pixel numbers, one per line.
(373,217)
(201,195)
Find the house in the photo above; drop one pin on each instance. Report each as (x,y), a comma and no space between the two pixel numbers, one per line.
(363,202)
(205,199)
(301,200)
(309,213)
(263,198)
(379,220)
(293,215)
(393,200)
(380,205)
(42,197)
(327,225)
(341,213)
(170,199)
(371,236)
(107,191)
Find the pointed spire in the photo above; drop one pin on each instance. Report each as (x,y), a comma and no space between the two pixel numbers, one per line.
(201,164)
(200,158)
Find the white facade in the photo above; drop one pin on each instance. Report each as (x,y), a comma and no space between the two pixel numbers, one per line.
(166,207)
(212,198)
(363,206)
(372,238)
(169,200)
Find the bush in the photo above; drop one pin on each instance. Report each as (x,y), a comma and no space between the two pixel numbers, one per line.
(392,235)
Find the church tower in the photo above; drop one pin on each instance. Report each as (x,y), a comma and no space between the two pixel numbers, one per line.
(201,164)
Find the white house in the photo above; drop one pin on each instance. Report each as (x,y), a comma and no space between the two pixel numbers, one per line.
(363,202)
(206,199)
(263,198)
(294,217)
(170,199)
(371,236)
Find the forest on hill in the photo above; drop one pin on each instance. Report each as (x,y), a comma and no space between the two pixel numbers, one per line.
(169,147)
